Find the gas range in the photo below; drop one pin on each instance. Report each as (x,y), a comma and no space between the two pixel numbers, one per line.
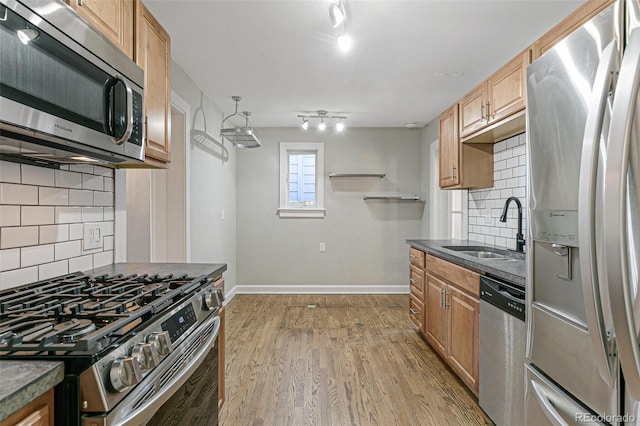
(117,333)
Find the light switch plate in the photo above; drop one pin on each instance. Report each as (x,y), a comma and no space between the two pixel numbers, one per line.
(92,237)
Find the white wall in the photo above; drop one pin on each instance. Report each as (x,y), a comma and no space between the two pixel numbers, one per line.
(365,240)
(430,133)
(213,182)
(42,217)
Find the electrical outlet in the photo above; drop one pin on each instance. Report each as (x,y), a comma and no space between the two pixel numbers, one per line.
(92,237)
(323,247)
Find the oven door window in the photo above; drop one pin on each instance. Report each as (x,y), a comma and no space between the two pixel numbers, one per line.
(196,402)
(38,71)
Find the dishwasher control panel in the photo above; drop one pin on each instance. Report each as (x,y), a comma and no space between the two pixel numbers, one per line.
(505,296)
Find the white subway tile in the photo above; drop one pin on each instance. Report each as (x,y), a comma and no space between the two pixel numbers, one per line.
(519,151)
(513,183)
(506,174)
(68,249)
(18,237)
(92,182)
(500,165)
(54,196)
(68,214)
(80,197)
(489,239)
(506,232)
(51,270)
(500,241)
(522,160)
(18,194)
(76,231)
(108,184)
(500,184)
(82,168)
(103,171)
(497,174)
(500,146)
(65,179)
(9,259)
(108,242)
(9,172)
(512,142)
(512,162)
(109,213)
(523,181)
(102,259)
(506,193)
(54,234)
(36,215)
(102,198)
(9,216)
(92,214)
(107,228)
(82,263)
(520,192)
(519,171)
(522,138)
(18,277)
(36,255)
(32,175)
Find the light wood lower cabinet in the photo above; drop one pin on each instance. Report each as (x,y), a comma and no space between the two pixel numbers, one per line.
(452,320)
(39,412)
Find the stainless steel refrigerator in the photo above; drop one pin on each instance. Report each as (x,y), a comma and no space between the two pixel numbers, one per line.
(583,294)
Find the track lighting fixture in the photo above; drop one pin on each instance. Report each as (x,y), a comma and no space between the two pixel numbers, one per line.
(322,124)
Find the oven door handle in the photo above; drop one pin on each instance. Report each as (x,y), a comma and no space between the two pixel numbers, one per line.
(149,408)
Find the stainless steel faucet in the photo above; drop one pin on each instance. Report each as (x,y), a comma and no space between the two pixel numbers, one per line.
(503,218)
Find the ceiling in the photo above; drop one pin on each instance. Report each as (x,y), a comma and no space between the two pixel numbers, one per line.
(282,58)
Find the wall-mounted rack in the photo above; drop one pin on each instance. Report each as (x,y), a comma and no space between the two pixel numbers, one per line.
(393,198)
(356,175)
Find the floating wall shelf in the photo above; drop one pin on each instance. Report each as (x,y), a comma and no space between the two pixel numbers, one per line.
(356,175)
(393,198)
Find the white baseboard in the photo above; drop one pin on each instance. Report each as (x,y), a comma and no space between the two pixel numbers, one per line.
(318,289)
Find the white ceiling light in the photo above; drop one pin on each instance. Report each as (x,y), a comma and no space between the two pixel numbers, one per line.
(339,126)
(322,125)
(345,42)
(305,123)
(337,13)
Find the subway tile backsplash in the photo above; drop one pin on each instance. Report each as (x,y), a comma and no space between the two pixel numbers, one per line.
(43,213)
(485,205)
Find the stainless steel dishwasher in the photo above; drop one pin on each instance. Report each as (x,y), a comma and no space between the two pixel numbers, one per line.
(502,347)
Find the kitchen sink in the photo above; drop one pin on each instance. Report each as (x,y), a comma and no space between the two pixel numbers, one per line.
(487,253)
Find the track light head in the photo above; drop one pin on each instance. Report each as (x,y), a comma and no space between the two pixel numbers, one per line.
(339,126)
(345,42)
(337,13)
(305,123)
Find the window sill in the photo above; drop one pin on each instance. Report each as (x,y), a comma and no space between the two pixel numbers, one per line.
(302,212)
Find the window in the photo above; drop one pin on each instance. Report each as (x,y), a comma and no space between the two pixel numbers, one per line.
(301,179)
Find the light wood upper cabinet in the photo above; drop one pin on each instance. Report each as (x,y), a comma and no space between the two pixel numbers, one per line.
(153,55)
(472,110)
(449,146)
(113,18)
(462,165)
(496,99)
(586,11)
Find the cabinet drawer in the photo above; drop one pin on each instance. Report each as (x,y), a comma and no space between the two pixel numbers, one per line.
(416,257)
(416,282)
(416,312)
(456,275)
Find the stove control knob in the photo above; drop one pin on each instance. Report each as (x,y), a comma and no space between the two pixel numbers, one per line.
(209,301)
(146,354)
(161,342)
(124,372)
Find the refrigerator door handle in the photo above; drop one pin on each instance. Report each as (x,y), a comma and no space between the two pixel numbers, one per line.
(586,215)
(615,224)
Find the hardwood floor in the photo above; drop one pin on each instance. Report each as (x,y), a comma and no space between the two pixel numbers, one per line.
(350,360)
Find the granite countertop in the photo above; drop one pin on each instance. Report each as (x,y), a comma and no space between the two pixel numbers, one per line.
(513,271)
(192,269)
(24,381)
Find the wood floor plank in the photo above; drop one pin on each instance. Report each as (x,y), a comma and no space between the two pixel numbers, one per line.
(350,360)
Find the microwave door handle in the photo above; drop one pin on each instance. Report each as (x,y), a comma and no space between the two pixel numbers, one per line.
(615,225)
(586,215)
(110,113)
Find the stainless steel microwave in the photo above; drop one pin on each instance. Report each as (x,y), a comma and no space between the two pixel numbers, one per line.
(67,94)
